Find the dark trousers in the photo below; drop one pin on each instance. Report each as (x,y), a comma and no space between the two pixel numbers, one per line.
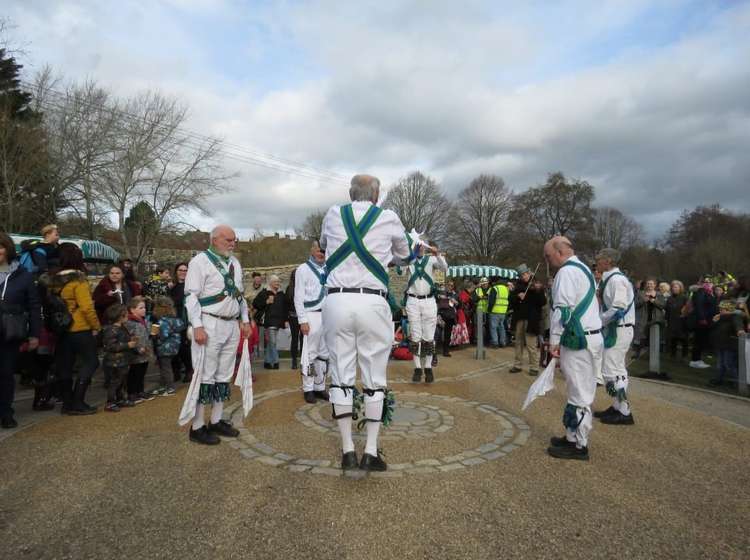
(118,377)
(80,345)
(166,374)
(295,345)
(447,331)
(136,378)
(701,343)
(183,358)
(8,364)
(674,341)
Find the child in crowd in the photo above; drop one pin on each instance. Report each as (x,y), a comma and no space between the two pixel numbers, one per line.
(118,350)
(138,328)
(166,330)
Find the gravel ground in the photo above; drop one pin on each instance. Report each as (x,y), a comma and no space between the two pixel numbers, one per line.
(675,485)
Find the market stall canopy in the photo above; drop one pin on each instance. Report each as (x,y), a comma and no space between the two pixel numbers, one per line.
(478,270)
(93,251)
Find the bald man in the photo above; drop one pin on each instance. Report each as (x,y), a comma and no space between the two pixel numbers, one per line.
(217,313)
(576,339)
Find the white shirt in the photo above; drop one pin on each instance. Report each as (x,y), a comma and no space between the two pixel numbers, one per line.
(618,295)
(306,288)
(204,280)
(569,288)
(385,241)
(420,287)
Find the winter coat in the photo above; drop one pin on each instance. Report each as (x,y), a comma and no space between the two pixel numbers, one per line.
(139,328)
(704,308)
(168,339)
(531,309)
(73,289)
(115,339)
(673,314)
(276,314)
(725,331)
(102,299)
(647,313)
(21,296)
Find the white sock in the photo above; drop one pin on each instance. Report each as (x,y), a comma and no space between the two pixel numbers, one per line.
(345,427)
(428,361)
(216,411)
(417,361)
(373,410)
(198,421)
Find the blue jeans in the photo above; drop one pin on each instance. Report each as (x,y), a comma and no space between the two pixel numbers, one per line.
(272,354)
(728,364)
(497,329)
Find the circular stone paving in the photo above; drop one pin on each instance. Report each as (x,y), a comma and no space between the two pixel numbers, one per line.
(412,420)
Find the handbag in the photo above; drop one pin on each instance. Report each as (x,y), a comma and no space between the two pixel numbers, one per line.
(14,320)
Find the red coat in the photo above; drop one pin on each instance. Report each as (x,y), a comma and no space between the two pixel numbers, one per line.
(102,299)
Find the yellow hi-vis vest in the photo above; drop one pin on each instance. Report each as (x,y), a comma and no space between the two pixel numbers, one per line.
(481,300)
(501,299)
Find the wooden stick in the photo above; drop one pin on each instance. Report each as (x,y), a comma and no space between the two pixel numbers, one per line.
(530,279)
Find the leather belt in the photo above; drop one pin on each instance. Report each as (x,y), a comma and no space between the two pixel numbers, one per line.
(597,331)
(221,317)
(417,297)
(314,310)
(381,293)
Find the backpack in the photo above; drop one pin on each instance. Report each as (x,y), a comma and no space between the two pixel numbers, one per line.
(57,317)
(29,248)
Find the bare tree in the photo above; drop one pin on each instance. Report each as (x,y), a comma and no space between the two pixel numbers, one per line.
(420,203)
(312,227)
(612,228)
(479,222)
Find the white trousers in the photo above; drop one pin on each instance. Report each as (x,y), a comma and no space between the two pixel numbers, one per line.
(358,331)
(614,367)
(580,369)
(221,350)
(422,315)
(315,345)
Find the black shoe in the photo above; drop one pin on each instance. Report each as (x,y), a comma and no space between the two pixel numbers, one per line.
(417,377)
(43,405)
(569,452)
(617,418)
(428,377)
(515,369)
(603,413)
(275,366)
(203,436)
(372,463)
(447,354)
(561,442)
(434,360)
(294,363)
(533,372)
(309,397)
(322,395)
(266,365)
(223,428)
(349,461)
(9,423)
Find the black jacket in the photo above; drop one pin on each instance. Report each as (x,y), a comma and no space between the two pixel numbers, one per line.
(529,309)
(276,314)
(22,295)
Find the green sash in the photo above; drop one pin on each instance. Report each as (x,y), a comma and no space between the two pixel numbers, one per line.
(321,276)
(610,331)
(573,336)
(419,272)
(355,244)
(230,288)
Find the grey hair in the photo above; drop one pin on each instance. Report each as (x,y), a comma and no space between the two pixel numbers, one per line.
(364,188)
(611,255)
(273,278)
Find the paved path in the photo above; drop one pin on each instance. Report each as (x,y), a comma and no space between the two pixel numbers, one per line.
(469,478)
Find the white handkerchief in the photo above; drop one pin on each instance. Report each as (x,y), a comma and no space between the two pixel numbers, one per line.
(543,385)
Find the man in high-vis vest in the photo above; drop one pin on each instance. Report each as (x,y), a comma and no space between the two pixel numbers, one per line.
(618,318)
(360,241)
(575,338)
(421,308)
(497,304)
(217,312)
(309,293)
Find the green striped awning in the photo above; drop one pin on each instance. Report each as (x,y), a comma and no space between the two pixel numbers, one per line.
(92,250)
(479,271)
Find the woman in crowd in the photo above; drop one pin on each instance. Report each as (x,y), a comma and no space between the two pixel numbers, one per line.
(295,346)
(271,304)
(467,307)
(447,301)
(78,342)
(20,319)
(704,306)
(649,310)
(674,315)
(182,363)
(114,288)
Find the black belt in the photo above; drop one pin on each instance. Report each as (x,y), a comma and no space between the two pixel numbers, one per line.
(314,310)
(381,293)
(221,317)
(597,331)
(624,326)
(418,297)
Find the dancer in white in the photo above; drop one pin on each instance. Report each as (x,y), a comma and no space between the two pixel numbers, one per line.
(618,318)
(575,337)
(217,311)
(360,240)
(421,308)
(309,293)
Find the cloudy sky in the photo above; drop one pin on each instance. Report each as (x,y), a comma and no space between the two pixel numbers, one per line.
(647,100)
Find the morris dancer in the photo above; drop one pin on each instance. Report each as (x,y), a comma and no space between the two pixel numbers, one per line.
(309,293)
(360,240)
(575,337)
(618,317)
(421,308)
(215,306)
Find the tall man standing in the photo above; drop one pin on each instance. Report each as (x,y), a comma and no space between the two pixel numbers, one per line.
(618,318)
(575,337)
(309,293)
(527,302)
(217,312)
(421,308)
(497,304)
(360,240)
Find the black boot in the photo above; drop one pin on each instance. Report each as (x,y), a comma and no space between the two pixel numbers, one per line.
(569,452)
(66,394)
(294,363)
(428,377)
(417,377)
(349,461)
(323,395)
(203,436)
(79,406)
(309,397)
(223,428)
(372,463)
(606,412)
(42,398)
